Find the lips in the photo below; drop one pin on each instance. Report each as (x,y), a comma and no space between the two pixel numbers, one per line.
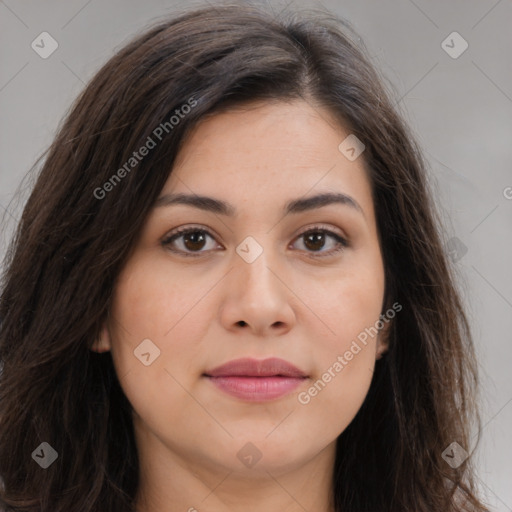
(272,367)
(253,380)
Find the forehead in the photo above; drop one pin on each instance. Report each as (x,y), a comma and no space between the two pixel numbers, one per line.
(265,152)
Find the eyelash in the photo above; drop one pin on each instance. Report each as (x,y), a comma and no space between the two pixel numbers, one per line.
(342,242)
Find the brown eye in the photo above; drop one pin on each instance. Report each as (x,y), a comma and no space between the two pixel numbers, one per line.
(192,240)
(315,239)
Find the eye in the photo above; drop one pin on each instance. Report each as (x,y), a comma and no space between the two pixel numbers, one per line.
(314,239)
(192,241)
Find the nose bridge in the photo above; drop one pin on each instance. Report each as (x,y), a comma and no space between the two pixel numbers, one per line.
(255,264)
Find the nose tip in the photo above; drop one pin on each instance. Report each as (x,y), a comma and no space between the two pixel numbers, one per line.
(256,299)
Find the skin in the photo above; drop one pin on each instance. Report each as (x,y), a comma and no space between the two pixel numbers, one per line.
(296,304)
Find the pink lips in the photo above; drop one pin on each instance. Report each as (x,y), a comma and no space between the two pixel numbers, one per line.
(255,381)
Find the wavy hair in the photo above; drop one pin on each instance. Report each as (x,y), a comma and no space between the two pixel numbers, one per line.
(73,240)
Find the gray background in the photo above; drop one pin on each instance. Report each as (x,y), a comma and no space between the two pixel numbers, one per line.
(460,109)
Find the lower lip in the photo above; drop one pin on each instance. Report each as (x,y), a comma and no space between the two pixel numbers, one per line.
(257,389)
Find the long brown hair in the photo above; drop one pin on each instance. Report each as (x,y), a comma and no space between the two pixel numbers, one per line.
(80,224)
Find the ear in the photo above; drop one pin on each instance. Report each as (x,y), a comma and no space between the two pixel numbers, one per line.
(102,343)
(383,340)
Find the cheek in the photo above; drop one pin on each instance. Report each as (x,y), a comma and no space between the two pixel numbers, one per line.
(350,306)
(345,365)
(141,311)
(152,303)
(335,397)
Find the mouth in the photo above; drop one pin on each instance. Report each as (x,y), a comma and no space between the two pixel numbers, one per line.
(256,381)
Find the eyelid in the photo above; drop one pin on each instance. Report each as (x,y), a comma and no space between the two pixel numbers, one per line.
(319,226)
(187,228)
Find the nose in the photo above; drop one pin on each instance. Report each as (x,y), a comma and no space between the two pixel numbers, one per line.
(257,298)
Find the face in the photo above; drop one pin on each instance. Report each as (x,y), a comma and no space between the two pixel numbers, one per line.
(267,273)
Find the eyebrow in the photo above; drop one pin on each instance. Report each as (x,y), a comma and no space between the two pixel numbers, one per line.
(220,207)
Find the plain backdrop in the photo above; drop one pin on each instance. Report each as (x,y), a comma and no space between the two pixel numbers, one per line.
(459,107)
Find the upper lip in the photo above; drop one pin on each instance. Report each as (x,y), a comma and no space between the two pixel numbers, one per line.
(247,367)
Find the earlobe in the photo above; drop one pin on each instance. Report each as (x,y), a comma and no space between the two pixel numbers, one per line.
(383,341)
(381,352)
(102,342)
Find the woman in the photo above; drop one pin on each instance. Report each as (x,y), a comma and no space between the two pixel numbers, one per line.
(228,289)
